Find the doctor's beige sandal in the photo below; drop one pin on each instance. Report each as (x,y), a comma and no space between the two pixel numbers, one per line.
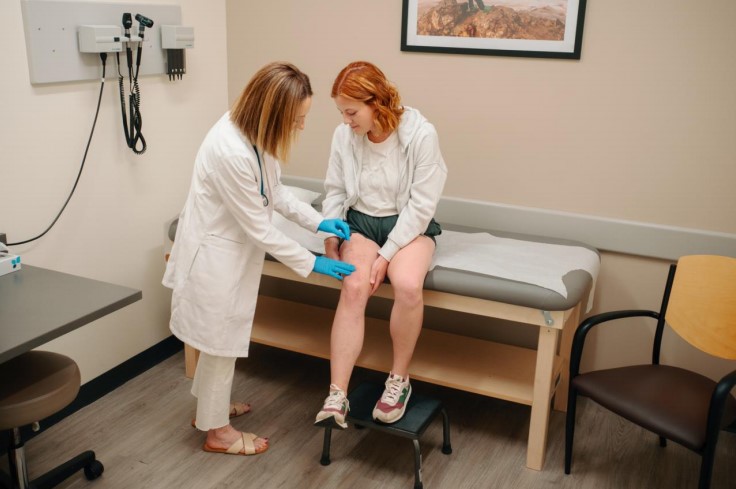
(392,405)
(236,409)
(335,409)
(242,446)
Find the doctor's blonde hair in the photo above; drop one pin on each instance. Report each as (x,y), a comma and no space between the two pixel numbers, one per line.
(267,108)
(365,82)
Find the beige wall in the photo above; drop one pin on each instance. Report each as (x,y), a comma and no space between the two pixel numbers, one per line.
(641,128)
(112,230)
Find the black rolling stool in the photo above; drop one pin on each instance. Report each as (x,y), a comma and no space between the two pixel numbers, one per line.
(419,413)
(34,386)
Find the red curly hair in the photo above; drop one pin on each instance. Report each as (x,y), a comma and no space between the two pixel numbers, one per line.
(365,82)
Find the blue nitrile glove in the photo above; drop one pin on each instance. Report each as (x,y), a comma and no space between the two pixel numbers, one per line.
(333,268)
(338,227)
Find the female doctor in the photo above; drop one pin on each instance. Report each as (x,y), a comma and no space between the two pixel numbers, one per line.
(223,234)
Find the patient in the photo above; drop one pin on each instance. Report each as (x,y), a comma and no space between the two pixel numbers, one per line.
(385,176)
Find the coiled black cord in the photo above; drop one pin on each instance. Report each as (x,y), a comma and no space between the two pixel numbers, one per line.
(133,135)
(122,101)
(103,57)
(136,119)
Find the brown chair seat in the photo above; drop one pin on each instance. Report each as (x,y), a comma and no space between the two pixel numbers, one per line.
(36,385)
(669,401)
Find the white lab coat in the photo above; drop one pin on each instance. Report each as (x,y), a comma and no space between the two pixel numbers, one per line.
(222,236)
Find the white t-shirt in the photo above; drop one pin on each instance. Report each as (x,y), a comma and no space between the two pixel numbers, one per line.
(378,183)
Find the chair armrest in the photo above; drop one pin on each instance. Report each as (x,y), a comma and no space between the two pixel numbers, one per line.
(588,324)
(718,401)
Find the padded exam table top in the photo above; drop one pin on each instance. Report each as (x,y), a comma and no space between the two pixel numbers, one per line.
(463,282)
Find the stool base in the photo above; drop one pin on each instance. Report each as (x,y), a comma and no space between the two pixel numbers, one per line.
(419,414)
(18,479)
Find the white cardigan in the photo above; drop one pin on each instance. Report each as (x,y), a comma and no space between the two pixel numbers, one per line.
(422,177)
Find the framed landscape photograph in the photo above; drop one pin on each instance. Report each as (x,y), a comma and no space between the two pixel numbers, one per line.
(528,28)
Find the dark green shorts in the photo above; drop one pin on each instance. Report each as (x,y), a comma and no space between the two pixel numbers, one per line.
(377,228)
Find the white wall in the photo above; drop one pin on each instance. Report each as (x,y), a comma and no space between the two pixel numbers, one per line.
(641,128)
(112,229)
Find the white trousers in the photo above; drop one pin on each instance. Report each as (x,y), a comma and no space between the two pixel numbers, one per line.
(212,386)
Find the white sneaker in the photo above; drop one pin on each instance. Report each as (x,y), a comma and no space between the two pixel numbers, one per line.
(392,405)
(334,410)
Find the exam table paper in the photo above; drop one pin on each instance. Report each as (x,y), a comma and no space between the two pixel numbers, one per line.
(541,264)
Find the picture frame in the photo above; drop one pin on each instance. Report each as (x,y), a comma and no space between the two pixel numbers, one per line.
(525,28)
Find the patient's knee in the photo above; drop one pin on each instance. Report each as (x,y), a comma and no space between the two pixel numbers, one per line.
(408,294)
(354,292)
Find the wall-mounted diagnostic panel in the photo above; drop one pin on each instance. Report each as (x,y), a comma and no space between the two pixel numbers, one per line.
(60,36)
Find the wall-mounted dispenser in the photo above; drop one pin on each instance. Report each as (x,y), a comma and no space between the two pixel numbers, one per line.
(175,39)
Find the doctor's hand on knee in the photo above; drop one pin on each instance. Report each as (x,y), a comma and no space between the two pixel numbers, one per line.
(333,268)
(338,227)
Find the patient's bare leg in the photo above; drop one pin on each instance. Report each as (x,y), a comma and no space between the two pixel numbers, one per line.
(407,271)
(349,323)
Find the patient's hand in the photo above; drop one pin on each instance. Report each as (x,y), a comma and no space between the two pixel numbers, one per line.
(378,273)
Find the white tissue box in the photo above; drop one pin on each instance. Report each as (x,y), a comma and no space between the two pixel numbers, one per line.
(9,263)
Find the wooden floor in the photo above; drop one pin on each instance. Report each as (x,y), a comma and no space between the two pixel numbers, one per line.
(141,433)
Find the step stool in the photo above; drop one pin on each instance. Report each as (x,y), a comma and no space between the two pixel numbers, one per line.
(419,413)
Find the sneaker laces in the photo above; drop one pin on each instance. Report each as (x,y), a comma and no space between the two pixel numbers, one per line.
(394,387)
(336,399)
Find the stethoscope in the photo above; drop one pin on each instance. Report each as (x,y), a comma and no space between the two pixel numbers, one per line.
(263,193)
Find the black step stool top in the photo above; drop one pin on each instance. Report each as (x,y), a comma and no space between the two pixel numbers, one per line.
(420,411)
